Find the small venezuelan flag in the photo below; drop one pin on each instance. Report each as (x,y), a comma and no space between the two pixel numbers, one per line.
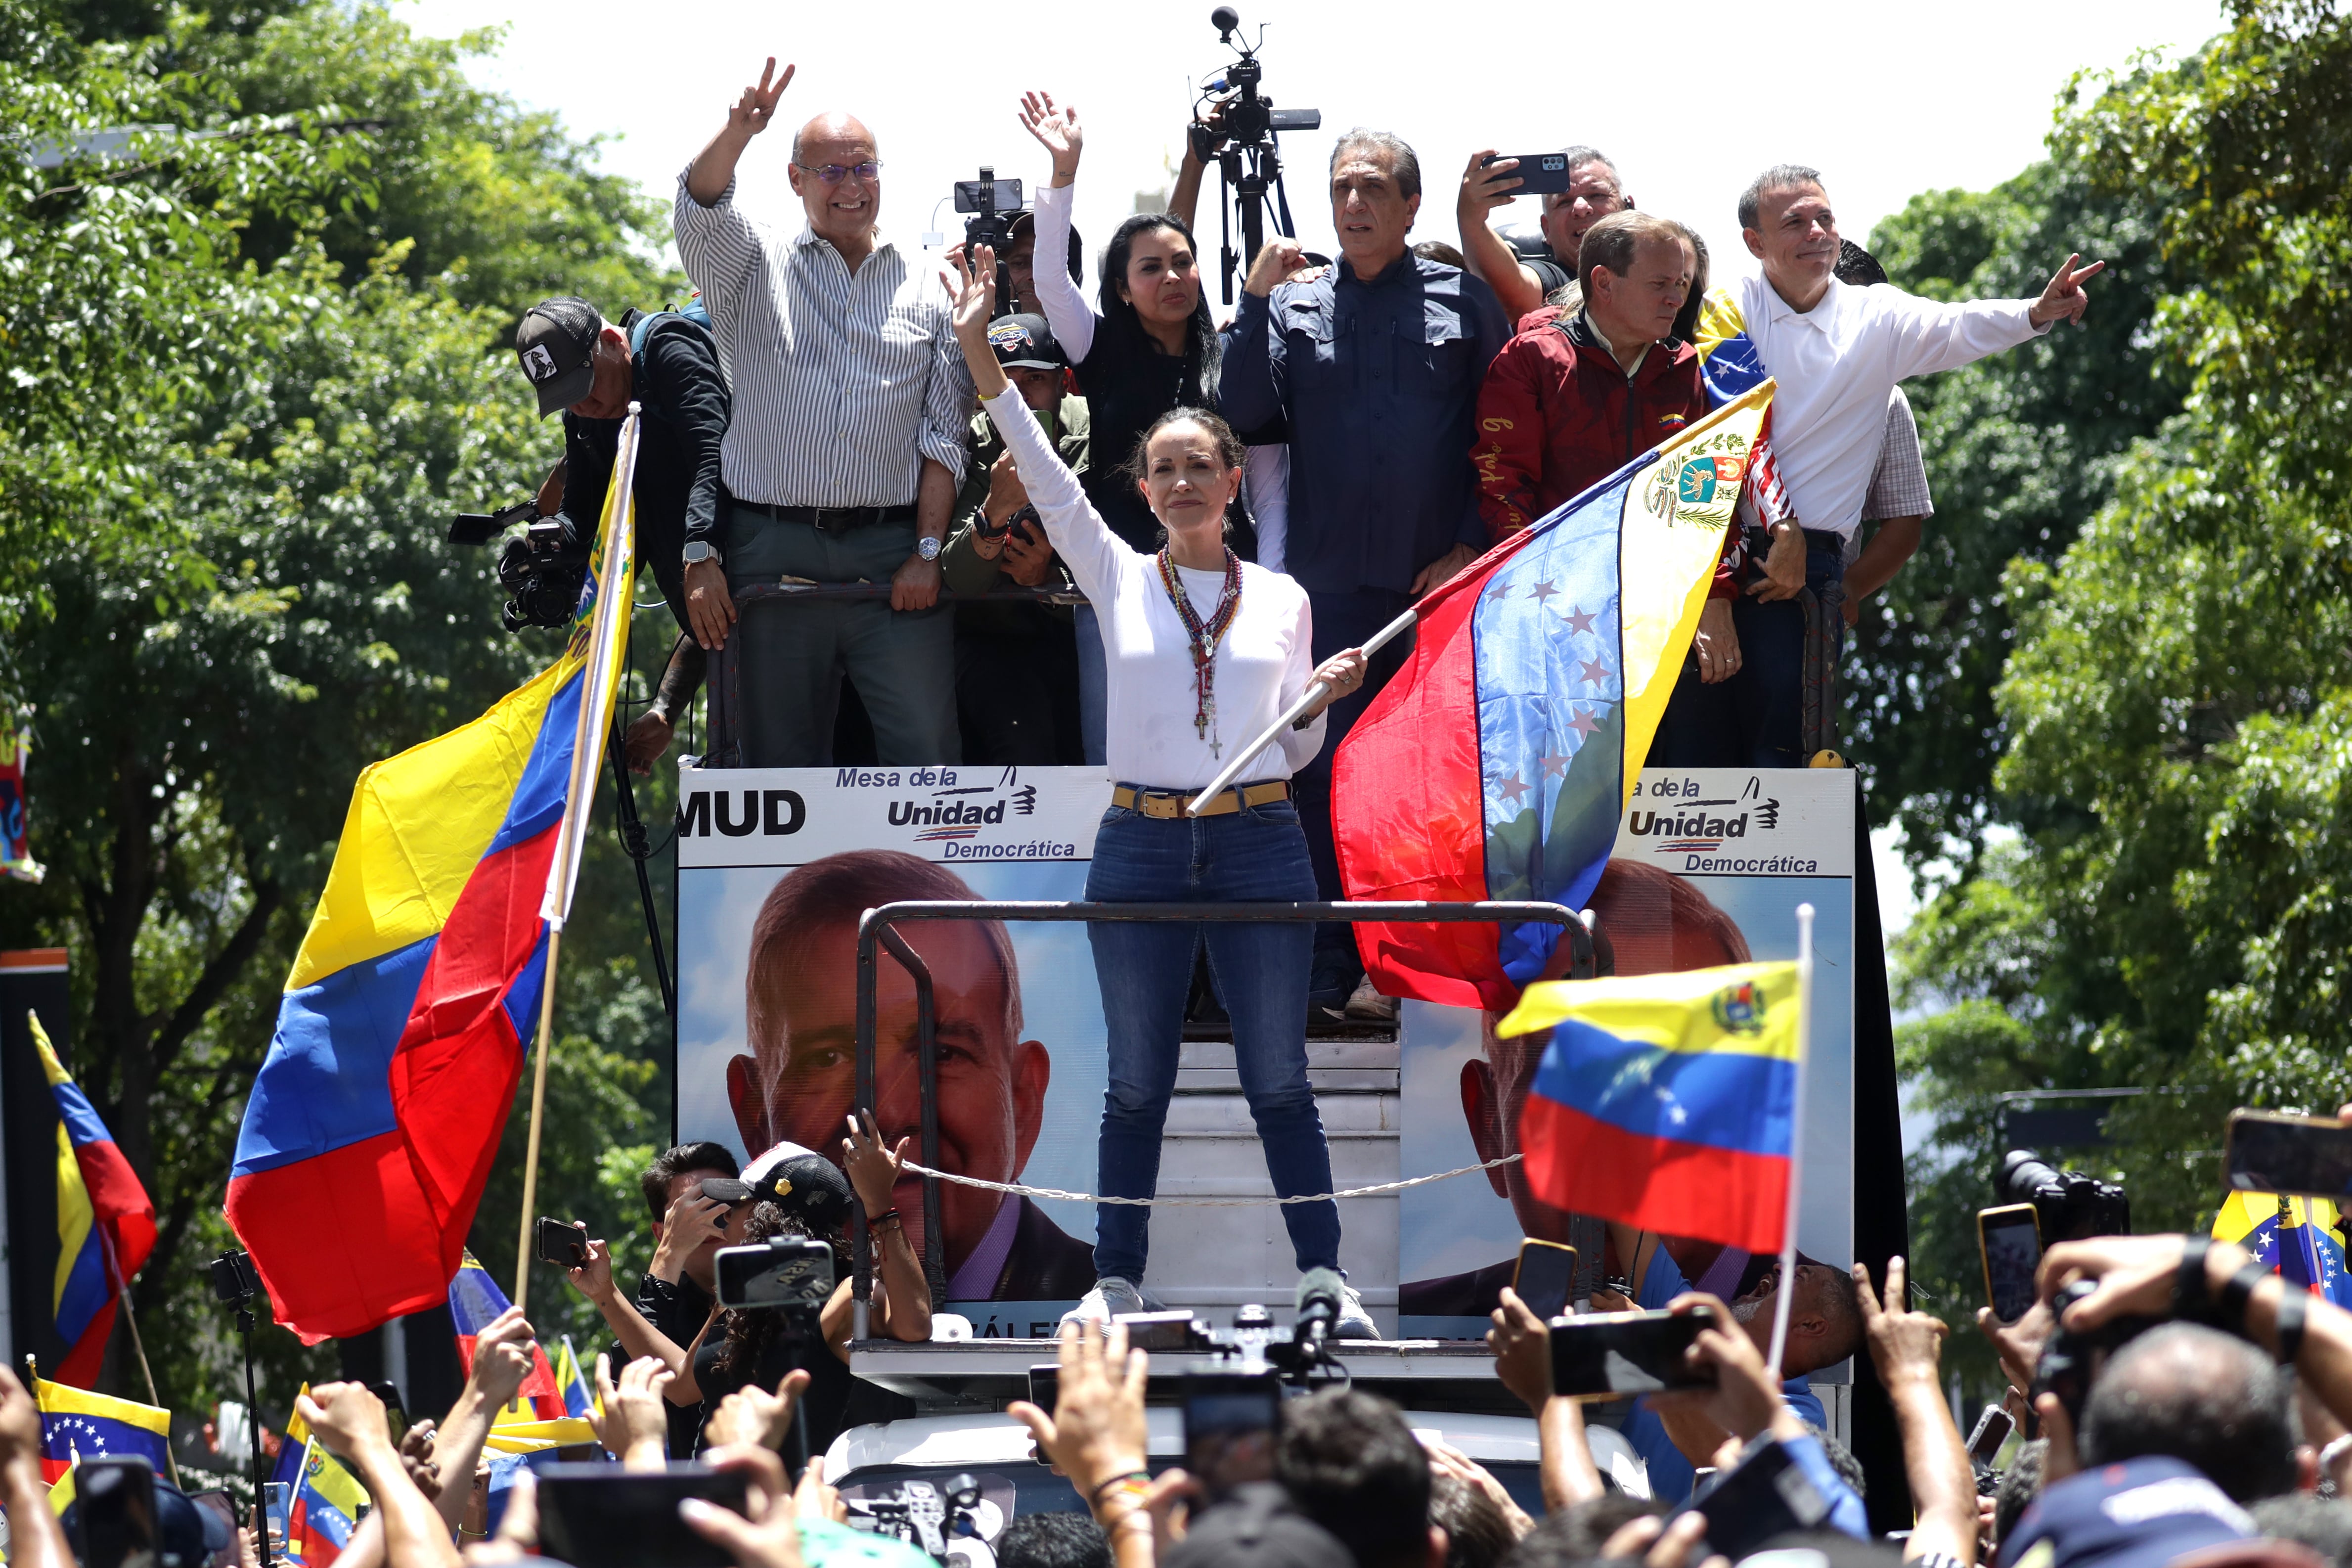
(474,1303)
(106,1223)
(1666,1101)
(327,1498)
(2295,1236)
(78,1424)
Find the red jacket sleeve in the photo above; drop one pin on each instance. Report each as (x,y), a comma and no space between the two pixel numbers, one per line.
(1509,453)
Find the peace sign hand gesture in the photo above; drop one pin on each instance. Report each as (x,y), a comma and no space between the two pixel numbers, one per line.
(751,113)
(1056,130)
(2065,299)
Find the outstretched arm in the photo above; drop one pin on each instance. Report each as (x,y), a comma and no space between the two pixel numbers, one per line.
(1055,127)
(713,169)
(1905,1348)
(1484,188)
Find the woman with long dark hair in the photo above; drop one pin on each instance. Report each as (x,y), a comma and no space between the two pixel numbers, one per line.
(1151,347)
(1204,652)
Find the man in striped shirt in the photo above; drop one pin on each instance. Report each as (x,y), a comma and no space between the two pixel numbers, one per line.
(845,449)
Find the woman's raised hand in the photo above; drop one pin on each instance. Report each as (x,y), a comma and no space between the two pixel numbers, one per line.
(1056,130)
(976,302)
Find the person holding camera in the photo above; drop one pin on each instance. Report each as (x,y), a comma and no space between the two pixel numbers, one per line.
(1017,664)
(1205,651)
(666,363)
(846,444)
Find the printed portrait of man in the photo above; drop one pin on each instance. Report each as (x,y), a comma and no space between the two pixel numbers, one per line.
(1645,921)
(798,1083)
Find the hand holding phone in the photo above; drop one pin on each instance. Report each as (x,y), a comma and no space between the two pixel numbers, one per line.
(2009,1240)
(1611,1355)
(599,1516)
(565,1246)
(114,1514)
(1229,1422)
(1541,173)
(1762,1496)
(2266,1152)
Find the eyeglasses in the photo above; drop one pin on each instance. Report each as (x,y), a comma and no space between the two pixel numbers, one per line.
(833,174)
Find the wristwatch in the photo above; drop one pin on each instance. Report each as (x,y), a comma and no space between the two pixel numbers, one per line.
(697,551)
(928,548)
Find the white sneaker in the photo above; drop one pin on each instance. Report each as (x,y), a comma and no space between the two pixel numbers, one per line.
(1369,1004)
(1354,1323)
(1111,1296)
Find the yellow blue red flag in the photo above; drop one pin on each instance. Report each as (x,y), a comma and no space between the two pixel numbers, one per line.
(2298,1237)
(79,1424)
(372,1125)
(1666,1101)
(106,1223)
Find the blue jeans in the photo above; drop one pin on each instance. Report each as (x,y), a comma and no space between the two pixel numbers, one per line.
(1094,687)
(1145,969)
(1756,719)
(1342,621)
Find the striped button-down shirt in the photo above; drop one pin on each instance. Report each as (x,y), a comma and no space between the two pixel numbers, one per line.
(844,381)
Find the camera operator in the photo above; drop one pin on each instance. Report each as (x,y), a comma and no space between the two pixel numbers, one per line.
(1016,665)
(666,363)
(1521,285)
(1374,367)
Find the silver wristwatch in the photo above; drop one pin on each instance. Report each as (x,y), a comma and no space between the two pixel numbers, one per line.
(928,548)
(697,551)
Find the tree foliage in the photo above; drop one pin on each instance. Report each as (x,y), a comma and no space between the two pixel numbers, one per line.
(255,360)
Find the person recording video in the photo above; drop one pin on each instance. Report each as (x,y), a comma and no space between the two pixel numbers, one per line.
(1207,651)
(1017,664)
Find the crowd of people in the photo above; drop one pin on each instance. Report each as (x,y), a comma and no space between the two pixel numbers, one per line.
(1399,409)
(2186,1403)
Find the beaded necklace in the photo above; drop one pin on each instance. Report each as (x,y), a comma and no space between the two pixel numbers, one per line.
(1204,638)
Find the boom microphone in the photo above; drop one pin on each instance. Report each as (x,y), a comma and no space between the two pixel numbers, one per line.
(1319,1306)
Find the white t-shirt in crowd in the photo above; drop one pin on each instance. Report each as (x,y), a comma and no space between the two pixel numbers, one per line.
(1263,662)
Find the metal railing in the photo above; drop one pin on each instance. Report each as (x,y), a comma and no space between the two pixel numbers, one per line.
(877,932)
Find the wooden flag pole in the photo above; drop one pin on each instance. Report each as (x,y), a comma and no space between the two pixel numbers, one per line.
(1786,1289)
(131,1322)
(537,1104)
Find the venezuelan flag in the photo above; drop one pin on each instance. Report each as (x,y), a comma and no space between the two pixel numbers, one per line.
(1666,1101)
(579,1399)
(1730,368)
(474,1302)
(327,1498)
(2298,1237)
(1496,763)
(371,1128)
(106,1223)
(78,1424)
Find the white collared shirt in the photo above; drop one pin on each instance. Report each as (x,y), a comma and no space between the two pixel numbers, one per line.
(843,381)
(1837,364)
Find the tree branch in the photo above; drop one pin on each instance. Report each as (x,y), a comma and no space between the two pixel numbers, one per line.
(221,971)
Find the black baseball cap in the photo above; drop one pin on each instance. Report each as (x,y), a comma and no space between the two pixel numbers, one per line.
(1025,343)
(557,343)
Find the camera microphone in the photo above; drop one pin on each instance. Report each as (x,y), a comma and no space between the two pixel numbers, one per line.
(1319,1306)
(1225,19)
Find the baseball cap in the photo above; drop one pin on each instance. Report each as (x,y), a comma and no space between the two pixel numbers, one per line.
(1256,1527)
(187,1535)
(2141,1513)
(1025,343)
(802,1183)
(557,343)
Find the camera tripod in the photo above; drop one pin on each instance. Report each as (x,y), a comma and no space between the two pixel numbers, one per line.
(1248,153)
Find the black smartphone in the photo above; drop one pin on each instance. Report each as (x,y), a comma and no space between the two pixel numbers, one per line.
(1762,1496)
(1045,1386)
(1229,1421)
(2009,1240)
(987,195)
(1614,1354)
(565,1246)
(1991,1430)
(1541,173)
(788,1271)
(1547,1271)
(2265,1152)
(600,1516)
(223,1507)
(396,1419)
(115,1523)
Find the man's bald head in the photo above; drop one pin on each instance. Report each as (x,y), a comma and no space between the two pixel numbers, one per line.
(833,127)
(2197,1394)
(844,212)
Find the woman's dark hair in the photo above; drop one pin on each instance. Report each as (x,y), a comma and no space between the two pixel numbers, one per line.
(1119,318)
(750,1331)
(1685,327)
(1230,449)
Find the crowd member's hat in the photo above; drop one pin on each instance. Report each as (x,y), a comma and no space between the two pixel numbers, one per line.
(1025,343)
(186,1534)
(2141,1513)
(804,1183)
(557,342)
(1258,1527)
(1858,266)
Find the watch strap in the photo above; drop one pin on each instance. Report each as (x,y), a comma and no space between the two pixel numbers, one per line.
(2192,1293)
(2293,1308)
(2236,1293)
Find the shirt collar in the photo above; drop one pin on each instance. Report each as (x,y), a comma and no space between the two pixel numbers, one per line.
(1825,309)
(976,1280)
(1405,265)
(808,235)
(1585,323)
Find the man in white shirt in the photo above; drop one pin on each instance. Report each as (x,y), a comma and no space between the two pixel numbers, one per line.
(846,446)
(1835,353)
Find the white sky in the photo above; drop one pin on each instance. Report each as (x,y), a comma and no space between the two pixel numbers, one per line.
(1885,99)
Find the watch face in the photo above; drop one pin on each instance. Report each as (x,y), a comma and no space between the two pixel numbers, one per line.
(928,548)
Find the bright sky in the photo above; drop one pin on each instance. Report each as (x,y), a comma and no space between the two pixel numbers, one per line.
(1886,100)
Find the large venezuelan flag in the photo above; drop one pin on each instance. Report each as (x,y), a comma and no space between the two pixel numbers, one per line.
(78,1424)
(1666,1101)
(371,1126)
(106,1223)
(2295,1236)
(1497,762)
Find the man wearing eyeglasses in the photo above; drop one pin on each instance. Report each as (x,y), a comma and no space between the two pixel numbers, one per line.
(845,452)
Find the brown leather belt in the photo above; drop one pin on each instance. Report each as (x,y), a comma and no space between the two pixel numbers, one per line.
(1160,804)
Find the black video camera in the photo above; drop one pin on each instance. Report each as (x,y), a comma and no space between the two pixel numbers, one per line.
(542,569)
(1249,119)
(234,1283)
(926,1516)
(2071,1359)
(2069,1204)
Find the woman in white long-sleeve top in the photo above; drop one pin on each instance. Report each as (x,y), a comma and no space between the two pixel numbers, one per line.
(1203,652)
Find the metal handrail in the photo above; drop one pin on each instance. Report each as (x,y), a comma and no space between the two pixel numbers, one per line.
(874,933)
(723,679)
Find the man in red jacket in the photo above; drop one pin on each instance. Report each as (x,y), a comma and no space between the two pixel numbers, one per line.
(1571,400)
